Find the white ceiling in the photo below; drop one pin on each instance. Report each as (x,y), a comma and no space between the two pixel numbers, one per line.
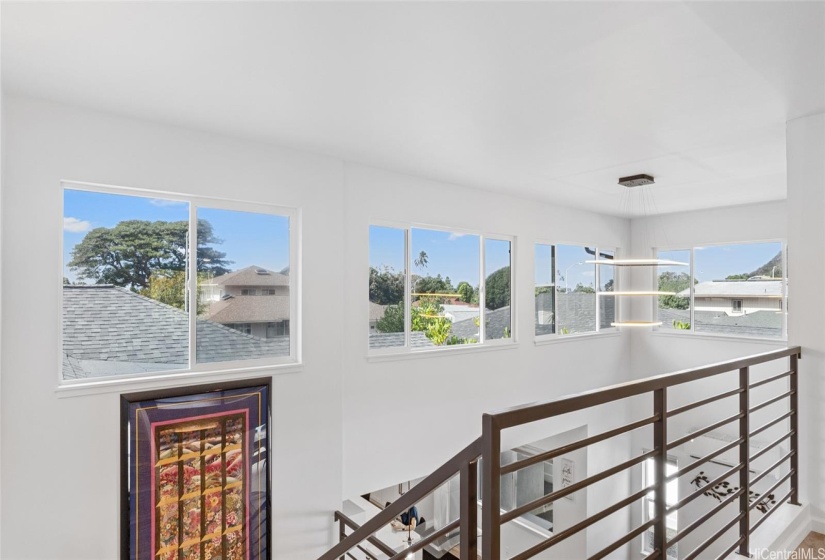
(550,101)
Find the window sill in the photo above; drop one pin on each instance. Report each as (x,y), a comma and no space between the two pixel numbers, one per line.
(431,353)
(558,338)
(688,335)
(101,385)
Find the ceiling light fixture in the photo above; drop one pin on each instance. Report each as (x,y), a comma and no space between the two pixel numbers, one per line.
(646,199)
(636,181)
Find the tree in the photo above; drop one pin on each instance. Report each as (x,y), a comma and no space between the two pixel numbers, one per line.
(393,319)
(386,286)
(582,289)
(737,277)
(432,285)
(497,286)
(169,287)
(674,282)
(608,286)
(128,254)
(422,260)
(465,291)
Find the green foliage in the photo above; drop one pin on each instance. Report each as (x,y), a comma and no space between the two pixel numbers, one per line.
(564,330)
(608,287)
(386,286)
(674,282)
(582,289)
(393,319)
(453,340)
(128,254)
(433,285)
(465,291)
(737,277)
(681,325)
(772,268)
(497,286)
(169,287)
(506,332)
(422,260)
(438,330)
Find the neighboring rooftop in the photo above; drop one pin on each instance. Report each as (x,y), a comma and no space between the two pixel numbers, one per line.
(765,324)
(248,309)
(251,276)
(109,330)
(736,288)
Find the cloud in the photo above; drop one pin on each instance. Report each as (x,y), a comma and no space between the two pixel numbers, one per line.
(454,236)
(74,225)
(162,202)
(588,273)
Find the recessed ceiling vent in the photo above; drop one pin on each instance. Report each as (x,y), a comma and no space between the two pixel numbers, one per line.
(636,181)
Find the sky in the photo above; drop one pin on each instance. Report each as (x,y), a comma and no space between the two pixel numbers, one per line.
(719,261)
(455,255)
(248,238)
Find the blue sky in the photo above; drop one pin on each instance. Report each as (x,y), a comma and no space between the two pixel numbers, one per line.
(449,254)
(249,238)
(718,262)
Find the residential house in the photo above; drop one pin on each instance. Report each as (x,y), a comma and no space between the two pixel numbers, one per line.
(252,300)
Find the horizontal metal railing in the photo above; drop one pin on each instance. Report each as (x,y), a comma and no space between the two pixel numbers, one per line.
(655,388)
(488,448)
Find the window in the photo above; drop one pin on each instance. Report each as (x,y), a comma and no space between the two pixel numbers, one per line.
(737,290)
(426,288)
(245,328)
(249,292)
(649,508)
(268,292)
(144,291)
(572,295)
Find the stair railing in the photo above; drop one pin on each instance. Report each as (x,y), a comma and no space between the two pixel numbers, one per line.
(488,448)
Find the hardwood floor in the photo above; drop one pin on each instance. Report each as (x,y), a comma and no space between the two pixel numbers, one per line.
(813,543)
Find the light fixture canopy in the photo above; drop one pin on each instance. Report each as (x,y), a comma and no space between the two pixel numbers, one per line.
(636,181)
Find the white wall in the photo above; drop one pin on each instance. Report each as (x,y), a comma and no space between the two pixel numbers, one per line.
(61,454)
(656,353)
(806,237)
(336,422)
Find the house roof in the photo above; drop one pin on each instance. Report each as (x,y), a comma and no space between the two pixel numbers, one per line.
(109,330)
(249,309)
(251,276)
(766,324)
(732,288)
(376,311)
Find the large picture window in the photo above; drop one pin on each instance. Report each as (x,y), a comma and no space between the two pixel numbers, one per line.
(159,283)
(572,294)
(432,288)
(729,290)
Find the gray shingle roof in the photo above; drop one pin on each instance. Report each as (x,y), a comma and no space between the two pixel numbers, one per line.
(249,277)
(766,324)
(376,311)
(110,331)
(249,309)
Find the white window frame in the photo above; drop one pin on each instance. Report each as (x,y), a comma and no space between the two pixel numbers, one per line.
(783,302)
(203,370)
(597,282)
(406,349)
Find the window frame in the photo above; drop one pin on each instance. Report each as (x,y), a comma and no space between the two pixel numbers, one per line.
(223,369)
(598,331)
(783,302)
(483,342)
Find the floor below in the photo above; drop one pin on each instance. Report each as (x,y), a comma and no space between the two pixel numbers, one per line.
(813,543)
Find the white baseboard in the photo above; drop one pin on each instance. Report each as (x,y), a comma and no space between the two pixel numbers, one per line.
(818,524)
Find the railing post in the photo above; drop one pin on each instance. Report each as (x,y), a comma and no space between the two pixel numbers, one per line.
(491,489)
(469,511)
(744,461)
(342,533)
(660,446)
(794,386)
